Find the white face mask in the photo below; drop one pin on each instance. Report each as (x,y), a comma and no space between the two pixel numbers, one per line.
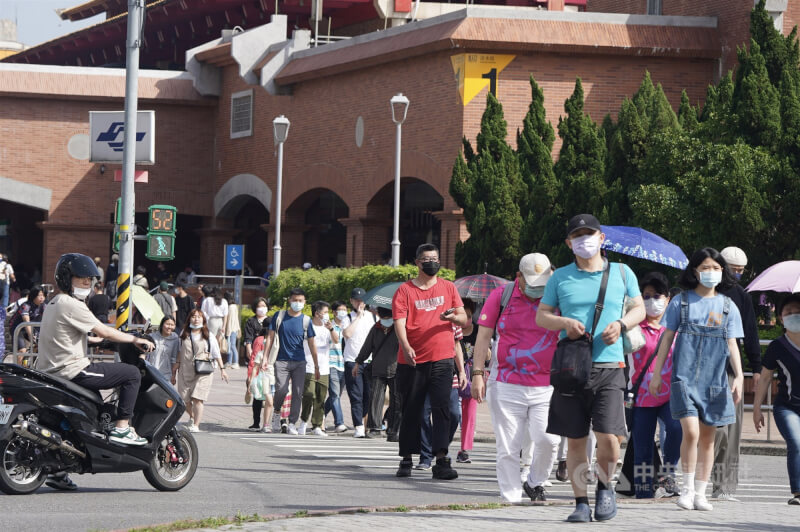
(387,322)
(655,307)
(586,246)
(80,293)
(261,312)
(325,318)
(297,306)
(195,325)
(341,314)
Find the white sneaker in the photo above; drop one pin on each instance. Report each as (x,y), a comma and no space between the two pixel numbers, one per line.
(276,422)
(724,496)
(686,500)
(340,428)
(301,430)
(319,432)
(701,503)
(267,429)
(547,484)
(193,428)
(292,429)
(359,432)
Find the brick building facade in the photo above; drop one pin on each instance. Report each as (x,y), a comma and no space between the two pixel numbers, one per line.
(339,156)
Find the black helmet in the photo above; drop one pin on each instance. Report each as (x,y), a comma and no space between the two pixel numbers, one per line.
(74,265)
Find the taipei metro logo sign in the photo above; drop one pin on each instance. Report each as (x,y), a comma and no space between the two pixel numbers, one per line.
(115,131)
(107,134)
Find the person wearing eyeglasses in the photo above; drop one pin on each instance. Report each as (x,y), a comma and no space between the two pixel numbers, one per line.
(727,440)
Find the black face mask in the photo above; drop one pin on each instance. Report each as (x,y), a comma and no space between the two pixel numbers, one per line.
(430,268)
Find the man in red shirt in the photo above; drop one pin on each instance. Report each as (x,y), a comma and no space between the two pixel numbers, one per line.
(424,311)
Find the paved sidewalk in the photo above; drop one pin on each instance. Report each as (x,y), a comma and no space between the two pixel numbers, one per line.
(631,516)
(226,410)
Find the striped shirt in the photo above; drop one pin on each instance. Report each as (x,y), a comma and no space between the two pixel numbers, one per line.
(336,356)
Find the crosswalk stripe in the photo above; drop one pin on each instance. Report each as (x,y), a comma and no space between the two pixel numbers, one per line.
(382,455)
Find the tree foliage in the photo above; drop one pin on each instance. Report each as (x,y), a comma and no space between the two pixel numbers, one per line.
(487,184)
(724,173)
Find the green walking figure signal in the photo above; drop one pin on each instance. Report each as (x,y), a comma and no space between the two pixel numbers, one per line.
(161,227)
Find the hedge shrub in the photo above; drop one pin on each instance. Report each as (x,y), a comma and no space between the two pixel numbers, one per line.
(336,283)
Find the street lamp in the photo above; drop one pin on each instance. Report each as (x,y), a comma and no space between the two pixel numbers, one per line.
(280,129)
(399,105)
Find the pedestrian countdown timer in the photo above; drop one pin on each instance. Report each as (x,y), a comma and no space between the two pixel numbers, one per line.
(161,226)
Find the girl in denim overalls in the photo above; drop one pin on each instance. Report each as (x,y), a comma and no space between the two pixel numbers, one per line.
(707,324)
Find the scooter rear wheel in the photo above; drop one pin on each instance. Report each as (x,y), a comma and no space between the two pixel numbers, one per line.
(17,475)
(166,475)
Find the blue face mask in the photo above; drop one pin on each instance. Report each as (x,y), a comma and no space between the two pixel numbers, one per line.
(792,323)
(534,292)
(710,279)
(387,322)
(297,306)
(737,276)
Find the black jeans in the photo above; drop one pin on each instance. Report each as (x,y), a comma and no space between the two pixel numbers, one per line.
(415,383)
(376,401)
(104,376)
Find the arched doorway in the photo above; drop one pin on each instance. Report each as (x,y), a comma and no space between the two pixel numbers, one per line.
(317,214)
(245,200)
(21,239)
(418,225)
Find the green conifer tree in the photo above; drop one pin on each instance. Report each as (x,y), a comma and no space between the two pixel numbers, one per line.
(755,100)
(534,150)
(488,188)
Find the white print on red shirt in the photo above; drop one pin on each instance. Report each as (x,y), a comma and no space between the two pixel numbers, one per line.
(429,304)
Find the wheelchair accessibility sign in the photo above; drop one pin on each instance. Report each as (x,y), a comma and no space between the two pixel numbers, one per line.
(234,256)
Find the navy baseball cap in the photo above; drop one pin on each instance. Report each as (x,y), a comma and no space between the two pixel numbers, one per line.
(358,293)
(582,221)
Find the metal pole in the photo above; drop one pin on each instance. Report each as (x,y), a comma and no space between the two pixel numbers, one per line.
(127,227)
(396,234)
(276,268)
(240,279)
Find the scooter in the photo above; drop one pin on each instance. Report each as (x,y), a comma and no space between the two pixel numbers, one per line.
(51,425)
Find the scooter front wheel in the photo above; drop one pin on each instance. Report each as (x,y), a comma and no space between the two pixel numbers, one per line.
(18,473)
(166,471)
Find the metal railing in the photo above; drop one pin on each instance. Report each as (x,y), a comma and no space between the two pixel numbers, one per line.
(25,358)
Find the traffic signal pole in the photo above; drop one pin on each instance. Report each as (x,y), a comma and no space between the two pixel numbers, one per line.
(127,226)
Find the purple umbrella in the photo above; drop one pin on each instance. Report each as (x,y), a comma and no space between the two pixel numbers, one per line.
(781,277)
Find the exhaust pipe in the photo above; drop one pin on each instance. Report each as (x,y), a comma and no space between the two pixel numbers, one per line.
(45,437)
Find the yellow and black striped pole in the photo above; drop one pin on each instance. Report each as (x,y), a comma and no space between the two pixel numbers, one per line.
(123,300)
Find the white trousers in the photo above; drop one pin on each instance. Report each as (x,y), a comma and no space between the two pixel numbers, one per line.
(591,445)
(518,413)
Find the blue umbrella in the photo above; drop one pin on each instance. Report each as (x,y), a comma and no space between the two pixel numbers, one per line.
(637,242)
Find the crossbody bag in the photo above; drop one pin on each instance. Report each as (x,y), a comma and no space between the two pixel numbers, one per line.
(202,366)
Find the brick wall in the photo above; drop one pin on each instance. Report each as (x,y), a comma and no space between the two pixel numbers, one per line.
(321,152)
(35,135)
(606,82)
(791,17)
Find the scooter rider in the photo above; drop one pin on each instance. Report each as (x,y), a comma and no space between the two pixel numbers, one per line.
(63,346)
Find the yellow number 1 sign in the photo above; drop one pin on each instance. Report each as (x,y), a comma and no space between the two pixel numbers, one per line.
(473,72)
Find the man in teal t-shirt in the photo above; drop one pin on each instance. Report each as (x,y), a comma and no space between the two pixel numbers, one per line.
(573,291)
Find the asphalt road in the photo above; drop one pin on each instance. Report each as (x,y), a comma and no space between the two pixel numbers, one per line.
(280,474)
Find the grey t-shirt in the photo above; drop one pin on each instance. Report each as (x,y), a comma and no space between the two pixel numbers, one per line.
(62,337)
